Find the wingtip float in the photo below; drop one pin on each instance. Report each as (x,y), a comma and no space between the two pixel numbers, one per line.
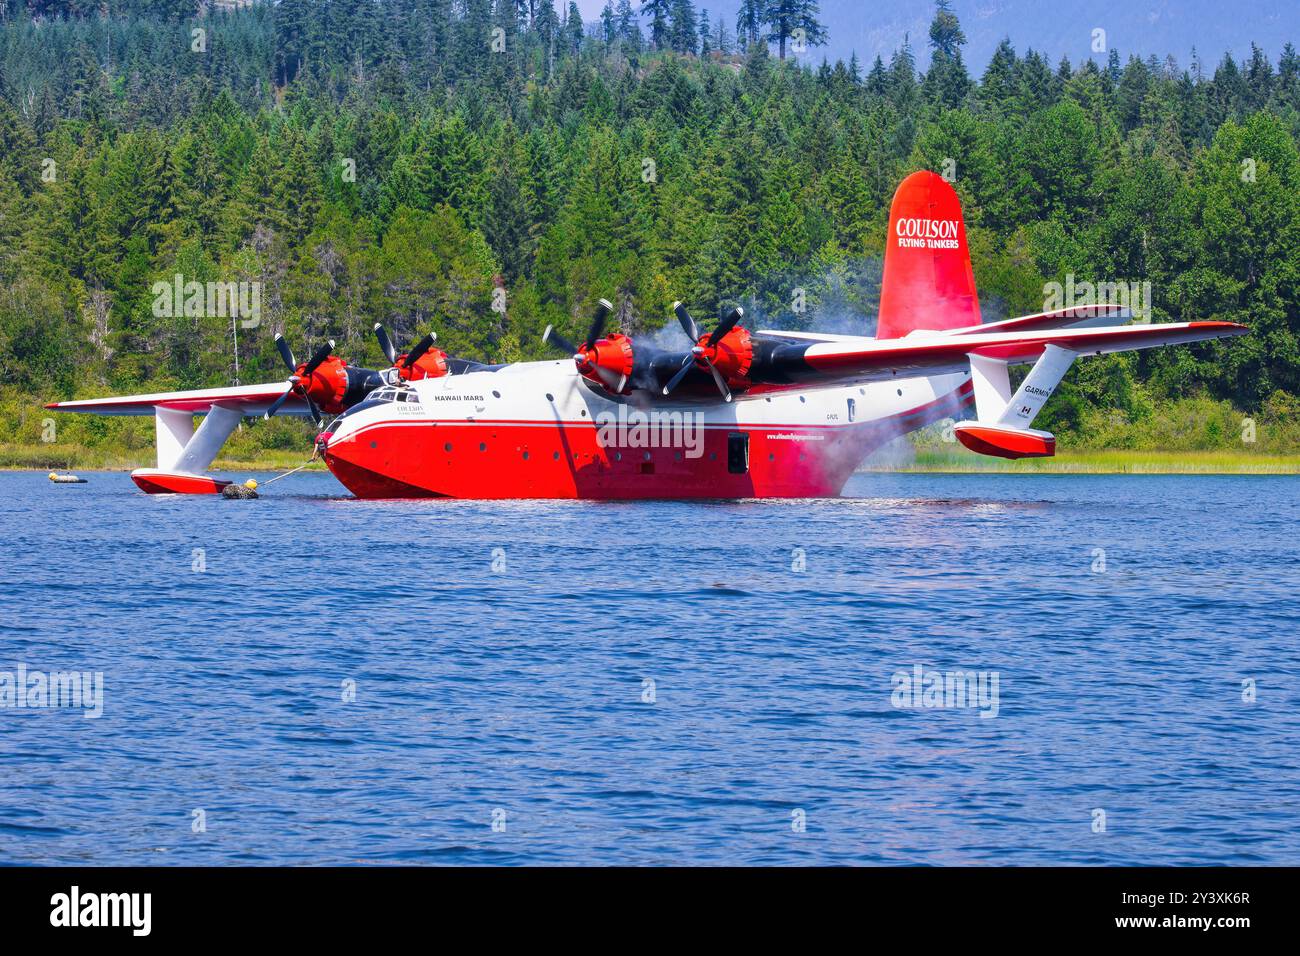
(735,414)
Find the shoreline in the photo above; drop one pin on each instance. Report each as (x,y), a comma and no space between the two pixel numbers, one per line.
(74,458)
(1090,462)
(907,460)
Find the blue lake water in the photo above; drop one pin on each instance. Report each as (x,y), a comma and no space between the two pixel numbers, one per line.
(513,685)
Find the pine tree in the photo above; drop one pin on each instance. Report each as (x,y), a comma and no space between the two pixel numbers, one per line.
(683,34)
(506,225)
(902,73)
(660,13)
(292,19)
(1288,78)
(607,27)
(749,22)
(796,20)
(573,29)
(878,79)
(721,39)
(1001,78)
(548,29)
(946,83)
(296,191)
(629,30)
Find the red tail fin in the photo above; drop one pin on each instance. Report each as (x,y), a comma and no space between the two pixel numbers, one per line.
(928,281)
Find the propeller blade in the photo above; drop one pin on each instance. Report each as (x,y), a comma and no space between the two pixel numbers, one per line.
(417,353)
(386,344)
(286,353)
(321,355)
(275,405)
(725,326)
(316,416)
(612,381)
(688,323)
(603,309)
(555,339)
(681,374)
(721,382)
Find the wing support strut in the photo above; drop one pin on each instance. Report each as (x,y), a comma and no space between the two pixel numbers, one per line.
(184,453)
(1002,427)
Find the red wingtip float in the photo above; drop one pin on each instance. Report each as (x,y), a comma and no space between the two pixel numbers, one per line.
(733,414)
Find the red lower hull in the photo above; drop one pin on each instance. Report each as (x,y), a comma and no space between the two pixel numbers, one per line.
(460,459)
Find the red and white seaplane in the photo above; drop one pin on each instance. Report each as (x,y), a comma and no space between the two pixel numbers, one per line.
(738,414)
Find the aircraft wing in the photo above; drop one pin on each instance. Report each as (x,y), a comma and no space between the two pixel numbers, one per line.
(1077,317)
(247,399)
(846,361)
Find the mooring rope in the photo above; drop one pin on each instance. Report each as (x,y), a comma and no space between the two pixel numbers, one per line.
(294,470)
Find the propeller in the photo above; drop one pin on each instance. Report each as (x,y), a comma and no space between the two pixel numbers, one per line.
(403,363)
(688,323)
(726,325)
(702,353)
(417,353)
(286,353)
(297,376)
(603,308)
(580,353)
(385,343)
(552,337)
(586,356)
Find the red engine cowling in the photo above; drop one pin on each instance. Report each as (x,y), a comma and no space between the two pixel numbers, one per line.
(326,384)
(432,364)
(732,356)
(608,362)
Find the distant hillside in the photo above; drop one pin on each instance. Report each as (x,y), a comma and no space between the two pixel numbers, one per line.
(1142,27)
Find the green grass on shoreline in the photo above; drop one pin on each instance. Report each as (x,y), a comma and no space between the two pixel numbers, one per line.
(922,460)
(1096,462)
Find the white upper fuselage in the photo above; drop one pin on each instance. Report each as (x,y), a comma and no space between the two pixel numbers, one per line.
(551,392)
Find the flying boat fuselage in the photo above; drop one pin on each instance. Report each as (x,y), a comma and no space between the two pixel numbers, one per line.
(540,430)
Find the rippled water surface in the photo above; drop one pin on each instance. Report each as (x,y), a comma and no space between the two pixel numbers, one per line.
(502,655)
